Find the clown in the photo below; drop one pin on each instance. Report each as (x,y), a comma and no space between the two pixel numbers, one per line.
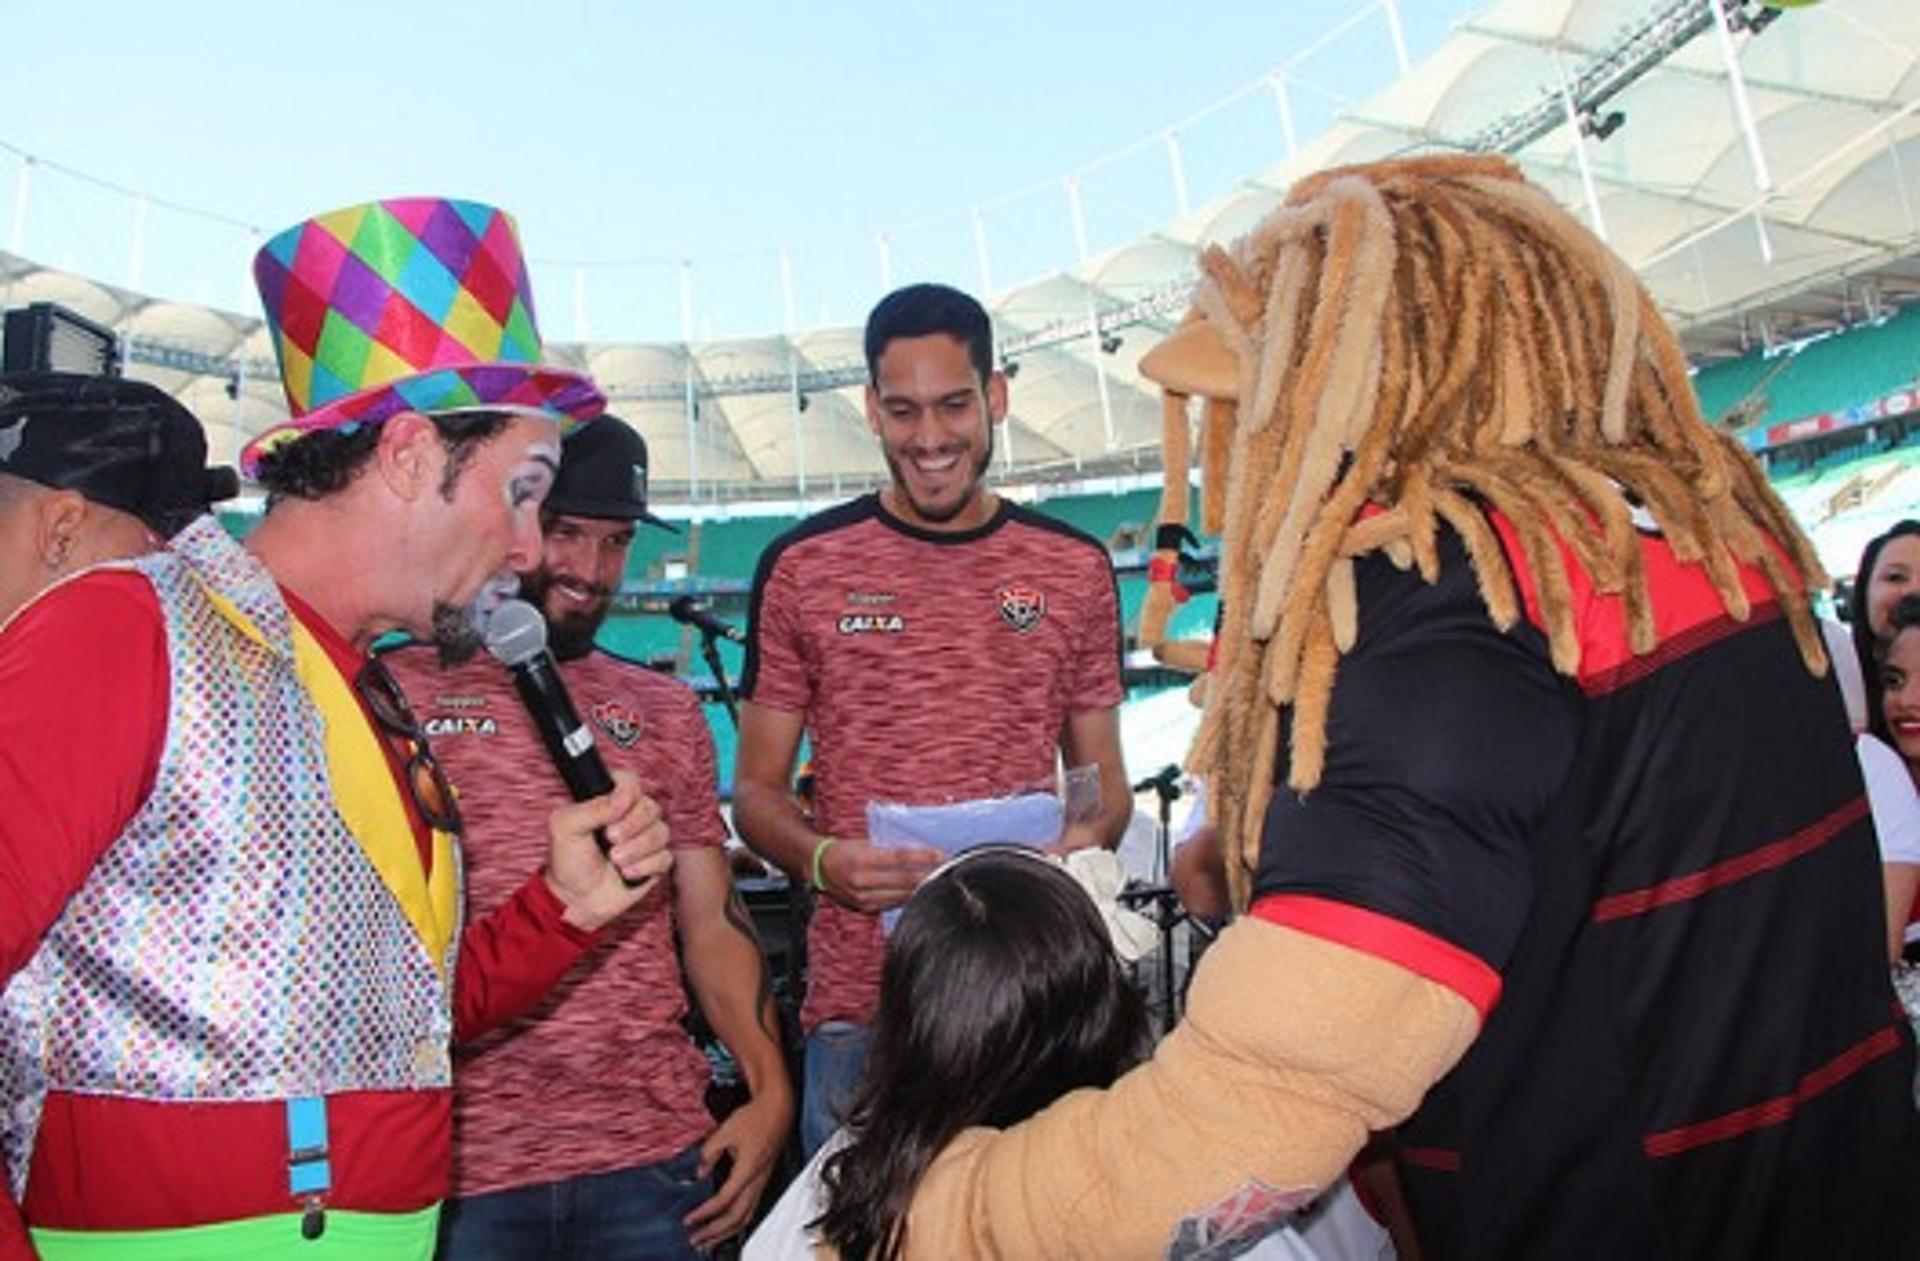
(232,948)
(1542,817)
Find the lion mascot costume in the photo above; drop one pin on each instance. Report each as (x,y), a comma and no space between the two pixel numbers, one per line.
(1541,812)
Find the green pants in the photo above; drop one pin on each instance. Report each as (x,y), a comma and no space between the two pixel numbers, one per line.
(347,1237)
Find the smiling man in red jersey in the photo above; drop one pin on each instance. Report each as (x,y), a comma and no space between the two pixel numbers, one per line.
(936,643)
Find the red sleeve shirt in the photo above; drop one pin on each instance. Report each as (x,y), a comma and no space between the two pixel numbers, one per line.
(83,674)
(84,677)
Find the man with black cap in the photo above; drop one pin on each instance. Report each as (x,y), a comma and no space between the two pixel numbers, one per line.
(582,1126)
(92,469)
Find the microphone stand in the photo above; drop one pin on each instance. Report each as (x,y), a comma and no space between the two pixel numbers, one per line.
(797,908)
(1166,912)
(796,958)
(796,912)
(710,652)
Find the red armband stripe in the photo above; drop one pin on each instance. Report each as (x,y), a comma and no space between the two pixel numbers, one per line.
(1387,938)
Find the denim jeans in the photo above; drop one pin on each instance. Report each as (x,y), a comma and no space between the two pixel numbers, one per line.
(630,1213)
(836,1056)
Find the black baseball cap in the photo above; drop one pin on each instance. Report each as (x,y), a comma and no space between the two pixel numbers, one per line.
(603,473)
(121,443)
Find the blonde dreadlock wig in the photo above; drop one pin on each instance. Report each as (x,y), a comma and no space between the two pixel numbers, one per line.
(1411,343)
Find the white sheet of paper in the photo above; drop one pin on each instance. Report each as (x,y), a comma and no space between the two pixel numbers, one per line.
(1028,819)
(1033,819)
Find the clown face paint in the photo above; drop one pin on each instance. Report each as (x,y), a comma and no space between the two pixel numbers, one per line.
(490,530)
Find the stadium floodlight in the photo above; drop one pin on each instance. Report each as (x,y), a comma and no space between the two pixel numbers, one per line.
(42,337)
(1625,60)
(1599,125)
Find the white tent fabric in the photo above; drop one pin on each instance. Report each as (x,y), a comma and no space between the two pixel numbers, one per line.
(1834,90)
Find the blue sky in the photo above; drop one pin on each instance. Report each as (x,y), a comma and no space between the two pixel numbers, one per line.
(626,137)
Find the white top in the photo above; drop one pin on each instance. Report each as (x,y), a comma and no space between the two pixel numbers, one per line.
(1893,799)
(1337,1229)
(1196,813)
(1846,671)
(782,1234)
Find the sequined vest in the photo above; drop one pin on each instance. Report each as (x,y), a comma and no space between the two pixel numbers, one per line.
(235,942)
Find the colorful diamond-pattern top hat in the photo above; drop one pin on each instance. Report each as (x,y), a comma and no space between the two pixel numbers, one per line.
(414,304)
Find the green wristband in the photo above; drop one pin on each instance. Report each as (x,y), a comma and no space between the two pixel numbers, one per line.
(820,849)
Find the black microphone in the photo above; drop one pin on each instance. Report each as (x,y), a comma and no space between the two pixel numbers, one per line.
(689,612)
(1165,781)
(517,637)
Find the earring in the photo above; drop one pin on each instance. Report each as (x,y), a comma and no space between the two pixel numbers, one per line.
(61,543)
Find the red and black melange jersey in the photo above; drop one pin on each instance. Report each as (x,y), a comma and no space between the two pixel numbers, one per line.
(601,1074)
(931,667)
(1659,883)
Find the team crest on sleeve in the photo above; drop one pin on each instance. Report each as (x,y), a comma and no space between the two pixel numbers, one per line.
(622,725)
(1022,606)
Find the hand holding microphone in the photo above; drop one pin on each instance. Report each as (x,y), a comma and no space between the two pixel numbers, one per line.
(626,827)
(624,822)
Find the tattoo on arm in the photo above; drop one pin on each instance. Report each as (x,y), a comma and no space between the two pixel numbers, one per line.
(742,923)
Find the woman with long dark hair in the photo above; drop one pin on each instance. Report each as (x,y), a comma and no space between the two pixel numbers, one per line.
(1000,993)
(1882,600)
(1889,570)
(1894,720)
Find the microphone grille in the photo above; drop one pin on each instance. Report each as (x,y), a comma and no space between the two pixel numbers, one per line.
(516,633)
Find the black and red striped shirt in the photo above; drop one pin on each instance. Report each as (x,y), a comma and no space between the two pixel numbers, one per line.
(1659,882)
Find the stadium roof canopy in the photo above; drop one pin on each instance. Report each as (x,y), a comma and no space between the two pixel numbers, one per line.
(1805,220)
